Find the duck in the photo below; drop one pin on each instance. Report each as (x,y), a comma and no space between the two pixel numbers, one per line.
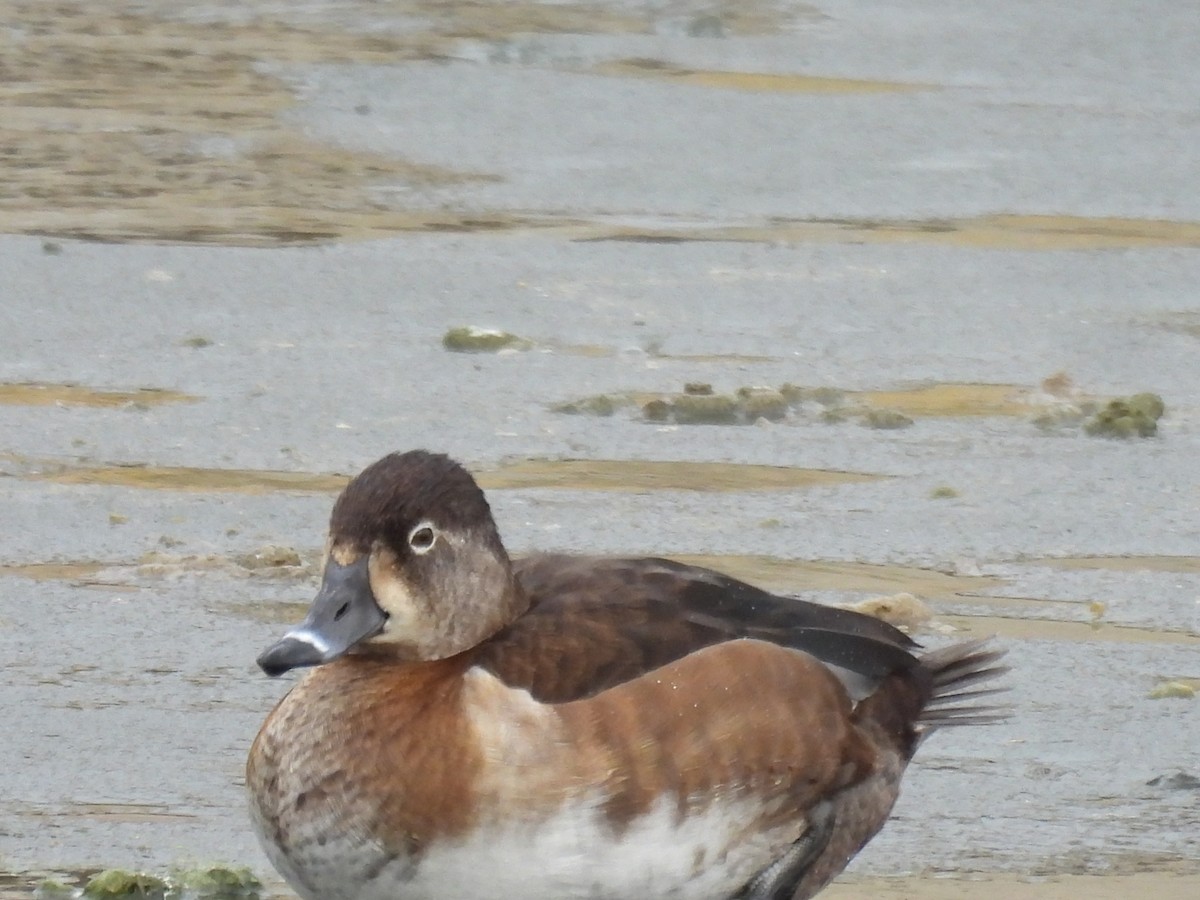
(557,726)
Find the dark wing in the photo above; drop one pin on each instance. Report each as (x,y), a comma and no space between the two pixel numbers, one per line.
(595,622)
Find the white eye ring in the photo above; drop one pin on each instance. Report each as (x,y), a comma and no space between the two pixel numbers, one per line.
(422,537)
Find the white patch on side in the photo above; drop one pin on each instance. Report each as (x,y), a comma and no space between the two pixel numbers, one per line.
(576,854)
(515,731)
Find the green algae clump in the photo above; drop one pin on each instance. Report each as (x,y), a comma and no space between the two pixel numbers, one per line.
(1147,404)
(943,492)
(52,889)
(886,419)
(827,396)
(469,339)
(793,393)
(1128,417)
(657,411)
(218,883)
(705,409)
(1063,417)
(600,405)
(1172,690)
(835,416)
(119,884)
(763,403)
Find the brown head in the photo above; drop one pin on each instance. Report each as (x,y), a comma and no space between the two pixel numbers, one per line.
(414,566)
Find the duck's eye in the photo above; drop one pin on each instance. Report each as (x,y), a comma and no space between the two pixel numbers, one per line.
(422,538)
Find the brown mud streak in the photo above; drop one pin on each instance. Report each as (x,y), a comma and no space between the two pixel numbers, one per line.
(1164,885)
(766,82)
(994,232)
(46,394)
(192,478)
(787,575)
(1057,630)
(54,571)
(122,127)
(595,475)
(633,476)
(1182,565)
(125,128)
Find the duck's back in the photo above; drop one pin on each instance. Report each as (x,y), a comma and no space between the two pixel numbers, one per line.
(594,622)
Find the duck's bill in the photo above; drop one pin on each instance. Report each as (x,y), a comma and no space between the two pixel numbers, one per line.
(343,613)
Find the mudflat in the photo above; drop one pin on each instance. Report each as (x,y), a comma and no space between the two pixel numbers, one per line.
(867,305)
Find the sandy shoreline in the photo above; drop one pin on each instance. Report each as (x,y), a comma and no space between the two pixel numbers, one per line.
(235,234)
(1158,885)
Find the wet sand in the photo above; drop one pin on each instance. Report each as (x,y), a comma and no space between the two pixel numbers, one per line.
(235,235)
(1062,887)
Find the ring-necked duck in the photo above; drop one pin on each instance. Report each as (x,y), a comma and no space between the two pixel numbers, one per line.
(567,727)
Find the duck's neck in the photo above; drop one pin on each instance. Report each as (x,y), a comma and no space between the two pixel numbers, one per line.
(377,668)
(485,610)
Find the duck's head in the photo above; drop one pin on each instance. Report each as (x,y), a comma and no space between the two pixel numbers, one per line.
(413,565)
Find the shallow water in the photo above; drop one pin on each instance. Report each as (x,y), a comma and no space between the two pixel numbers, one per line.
(914,209)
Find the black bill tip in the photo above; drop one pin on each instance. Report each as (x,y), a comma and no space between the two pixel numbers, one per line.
(292,652)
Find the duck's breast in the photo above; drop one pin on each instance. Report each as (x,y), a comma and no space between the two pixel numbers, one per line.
(686,782)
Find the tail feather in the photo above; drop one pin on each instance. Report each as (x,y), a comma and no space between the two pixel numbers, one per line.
(967,700)
(964,715)
(940,691)
(953,672)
